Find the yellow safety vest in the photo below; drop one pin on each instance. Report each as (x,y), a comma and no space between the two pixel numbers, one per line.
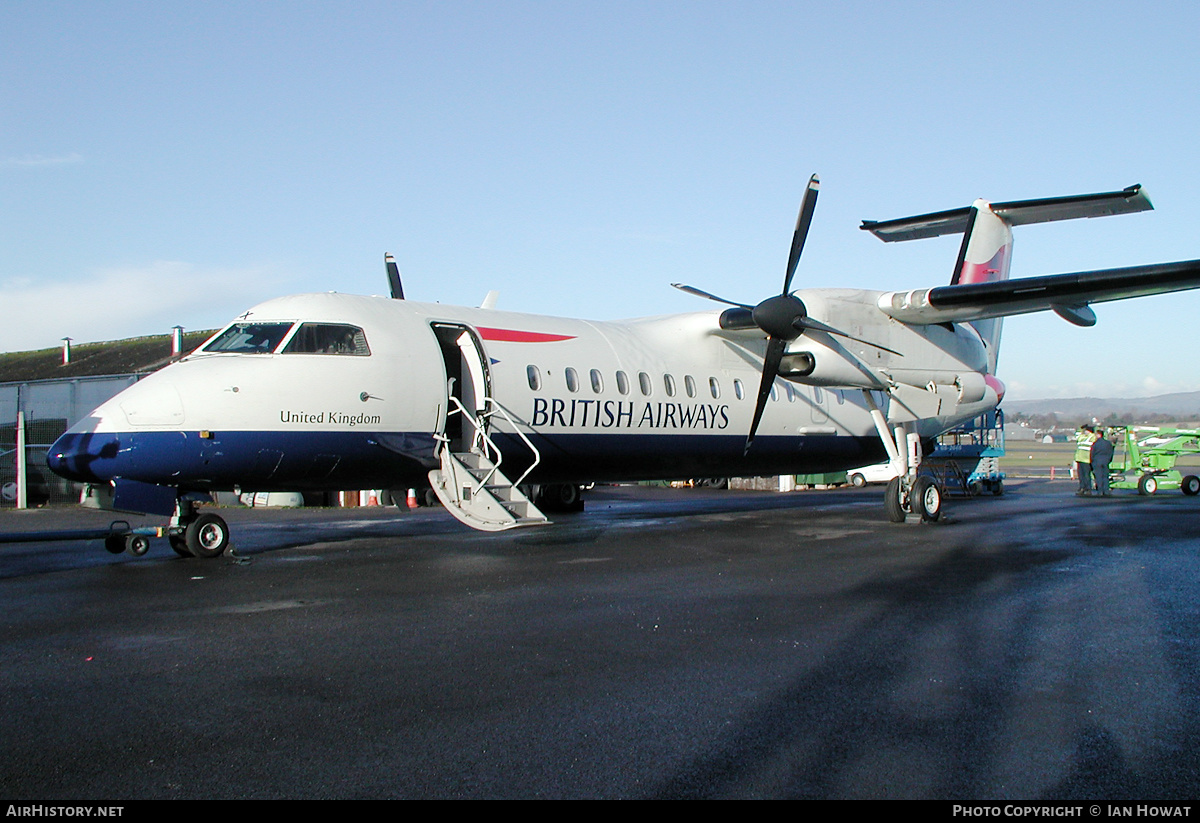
(1083,446)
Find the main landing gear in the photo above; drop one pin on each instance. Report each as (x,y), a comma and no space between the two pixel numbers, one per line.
(197,534)
(923,497)
(909,492)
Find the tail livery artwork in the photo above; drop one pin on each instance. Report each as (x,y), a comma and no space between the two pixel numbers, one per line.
(503,415)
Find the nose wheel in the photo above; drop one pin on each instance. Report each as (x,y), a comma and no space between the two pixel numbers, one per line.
(202,535)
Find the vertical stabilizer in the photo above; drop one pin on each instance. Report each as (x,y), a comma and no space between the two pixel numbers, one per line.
(985,257)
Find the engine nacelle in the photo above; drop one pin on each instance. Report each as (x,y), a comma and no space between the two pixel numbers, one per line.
(972,387)
(826,367)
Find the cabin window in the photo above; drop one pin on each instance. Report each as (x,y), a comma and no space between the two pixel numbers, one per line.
(597,381)
(534,375)
(669,385)
(774,392)
(738,390)
(622,382)
(644,383)
(572,380)
(250,338)
(689,385)
(328,338)
(714,387)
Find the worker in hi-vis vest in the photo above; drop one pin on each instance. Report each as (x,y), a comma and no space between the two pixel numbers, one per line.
(1084,438)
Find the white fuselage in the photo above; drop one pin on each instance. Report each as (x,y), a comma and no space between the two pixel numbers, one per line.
(660,397)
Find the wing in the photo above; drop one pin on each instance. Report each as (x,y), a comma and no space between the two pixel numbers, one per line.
(1067,294)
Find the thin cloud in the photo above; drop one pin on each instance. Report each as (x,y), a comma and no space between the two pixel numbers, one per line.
(111,304)
(34,160)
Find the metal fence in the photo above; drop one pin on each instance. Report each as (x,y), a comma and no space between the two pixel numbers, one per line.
(32,416)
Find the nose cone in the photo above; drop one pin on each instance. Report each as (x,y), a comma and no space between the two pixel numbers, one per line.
(85,457)
(116,439)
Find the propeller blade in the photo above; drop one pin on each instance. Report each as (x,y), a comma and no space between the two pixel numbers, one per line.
(783,317)
(701,293)
(810,323)
(393,275)
(803,221)
(771,360)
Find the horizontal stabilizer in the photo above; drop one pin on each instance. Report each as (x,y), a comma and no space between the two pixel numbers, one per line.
(1014,213)
(1067,294)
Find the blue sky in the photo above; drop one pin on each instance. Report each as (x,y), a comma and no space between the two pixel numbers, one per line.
(167,163)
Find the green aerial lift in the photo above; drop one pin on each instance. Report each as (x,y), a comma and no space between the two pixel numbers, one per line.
(1147,460)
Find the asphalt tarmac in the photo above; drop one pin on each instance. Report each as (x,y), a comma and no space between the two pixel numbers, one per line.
(664,643)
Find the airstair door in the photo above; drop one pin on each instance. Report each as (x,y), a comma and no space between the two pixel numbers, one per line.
(467,381)
(469,482)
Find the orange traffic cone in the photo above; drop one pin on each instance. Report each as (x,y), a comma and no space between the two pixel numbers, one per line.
(412,498)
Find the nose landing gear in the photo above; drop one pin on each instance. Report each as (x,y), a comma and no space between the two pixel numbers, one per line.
(196,534)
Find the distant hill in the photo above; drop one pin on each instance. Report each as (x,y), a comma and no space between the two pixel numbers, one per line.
(1180,405)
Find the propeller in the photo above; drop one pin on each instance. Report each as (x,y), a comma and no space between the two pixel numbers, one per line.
(393,275)
(783,317)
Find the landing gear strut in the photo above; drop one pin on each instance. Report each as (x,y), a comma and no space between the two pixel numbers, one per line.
(907,492)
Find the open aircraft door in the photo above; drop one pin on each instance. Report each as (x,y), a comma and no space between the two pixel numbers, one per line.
(470,483)
(468,383)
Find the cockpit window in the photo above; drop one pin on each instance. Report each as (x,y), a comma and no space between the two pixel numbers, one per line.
(250,338)
(328,338)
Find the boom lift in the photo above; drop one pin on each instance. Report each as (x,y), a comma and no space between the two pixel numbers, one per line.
(1147,460)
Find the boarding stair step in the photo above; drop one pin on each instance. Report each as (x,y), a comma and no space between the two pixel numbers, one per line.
(493,505)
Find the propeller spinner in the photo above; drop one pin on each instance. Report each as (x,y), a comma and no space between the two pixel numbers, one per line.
(783,317)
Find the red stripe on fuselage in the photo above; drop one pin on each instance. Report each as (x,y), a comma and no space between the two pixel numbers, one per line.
(514,336)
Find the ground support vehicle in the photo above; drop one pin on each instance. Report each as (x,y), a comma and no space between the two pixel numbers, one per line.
(877,473)
(119,537)
(967,459)
(1146,459)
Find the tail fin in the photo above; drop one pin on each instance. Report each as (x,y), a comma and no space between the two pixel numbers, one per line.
(984,257)
(986,250)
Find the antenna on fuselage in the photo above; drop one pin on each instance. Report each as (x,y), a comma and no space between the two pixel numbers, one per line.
(393,276)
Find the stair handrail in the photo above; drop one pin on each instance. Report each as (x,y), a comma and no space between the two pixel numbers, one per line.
(482,437)
(537,456)
(490,450)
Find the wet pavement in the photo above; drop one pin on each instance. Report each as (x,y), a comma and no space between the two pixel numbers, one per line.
(665,643)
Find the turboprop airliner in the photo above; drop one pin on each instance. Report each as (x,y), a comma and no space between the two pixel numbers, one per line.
(503,414)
